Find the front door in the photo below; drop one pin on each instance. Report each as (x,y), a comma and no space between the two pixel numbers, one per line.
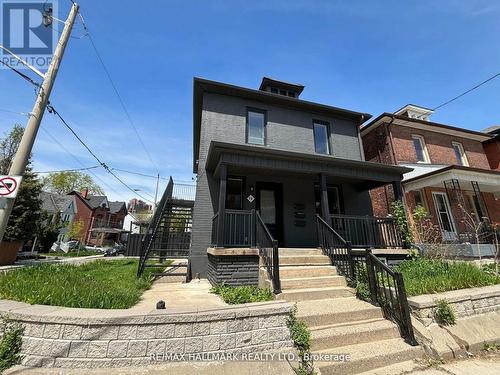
(270,207)
(445,218)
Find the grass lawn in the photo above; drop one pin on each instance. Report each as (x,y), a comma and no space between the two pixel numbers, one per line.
(81,253)
(428,276)
(103,284)
(234,295)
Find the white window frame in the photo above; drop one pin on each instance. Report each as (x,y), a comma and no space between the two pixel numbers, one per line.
(448,236)
(421,139)
(464,160)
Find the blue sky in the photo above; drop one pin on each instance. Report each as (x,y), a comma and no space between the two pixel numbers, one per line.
(361,55)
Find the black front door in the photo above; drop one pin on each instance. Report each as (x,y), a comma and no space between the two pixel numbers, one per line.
(270,207)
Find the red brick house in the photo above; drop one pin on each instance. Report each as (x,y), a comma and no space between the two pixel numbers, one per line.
(103,220)
(492,147)
(453,175)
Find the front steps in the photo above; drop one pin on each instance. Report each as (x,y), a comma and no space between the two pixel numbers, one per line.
(339,322)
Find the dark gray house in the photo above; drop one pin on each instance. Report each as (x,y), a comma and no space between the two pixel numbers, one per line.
(267,164)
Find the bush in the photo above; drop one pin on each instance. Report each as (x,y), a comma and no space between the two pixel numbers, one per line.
(428,276)
(10,343)
(362,288)
(242,294)
(443,313)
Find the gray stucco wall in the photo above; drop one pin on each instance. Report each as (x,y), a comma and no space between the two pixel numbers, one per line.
(224,119)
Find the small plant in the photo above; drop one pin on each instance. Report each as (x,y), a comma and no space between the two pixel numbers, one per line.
(301,337)
(242,294)
(10,343)
(399,212)
(444,314)
(491,347)
(362,288)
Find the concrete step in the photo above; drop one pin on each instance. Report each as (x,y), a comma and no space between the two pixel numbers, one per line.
(312,282)
(291,251)
(309,294)
(304,260)
(336,310)
(367,356)
(289,272)
(351,333)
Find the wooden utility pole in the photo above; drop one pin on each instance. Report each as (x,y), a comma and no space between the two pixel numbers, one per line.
(23,153)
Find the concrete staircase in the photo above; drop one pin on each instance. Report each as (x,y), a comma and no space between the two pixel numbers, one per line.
(339,322)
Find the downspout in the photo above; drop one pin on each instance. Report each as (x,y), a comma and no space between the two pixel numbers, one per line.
(360,141)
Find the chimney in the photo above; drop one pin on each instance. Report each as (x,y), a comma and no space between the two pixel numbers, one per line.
(84,192)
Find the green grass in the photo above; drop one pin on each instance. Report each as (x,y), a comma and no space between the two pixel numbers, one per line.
(103,284)
(81,253)
(242,294)
(429,276)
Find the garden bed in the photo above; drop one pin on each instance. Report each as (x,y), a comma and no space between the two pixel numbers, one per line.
(100,284)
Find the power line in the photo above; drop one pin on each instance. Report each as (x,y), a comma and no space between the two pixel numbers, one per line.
(15,112)
(148,175)
(51,109)
(69,170)
(115,89)
(24,76)
(466,92)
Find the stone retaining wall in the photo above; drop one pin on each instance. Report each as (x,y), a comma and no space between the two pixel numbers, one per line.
(91,338)
(464,302)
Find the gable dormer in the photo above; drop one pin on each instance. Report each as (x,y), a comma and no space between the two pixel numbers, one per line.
(274,86)
(416,112)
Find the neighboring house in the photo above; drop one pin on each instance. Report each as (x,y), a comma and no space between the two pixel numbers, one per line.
(102,219)
(136,206)
(136,223)
(492,147)
(269,151)
(451,174)
(61,208)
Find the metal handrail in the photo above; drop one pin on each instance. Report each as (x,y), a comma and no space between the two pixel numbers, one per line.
(270,258)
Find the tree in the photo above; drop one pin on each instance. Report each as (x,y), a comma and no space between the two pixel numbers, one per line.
(48,230)
(75,230)
(27,208)
(67,181)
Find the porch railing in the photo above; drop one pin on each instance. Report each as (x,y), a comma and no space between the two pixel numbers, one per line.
(268,251)
(336,248)
(367,231)
(238,229)
(387,290)
(386,286)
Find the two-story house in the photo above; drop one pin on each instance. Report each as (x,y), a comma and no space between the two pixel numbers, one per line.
(267,163)
(102,219)
(59,208)
(451,174)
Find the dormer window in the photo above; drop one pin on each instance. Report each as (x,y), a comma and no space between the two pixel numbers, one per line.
(290,90)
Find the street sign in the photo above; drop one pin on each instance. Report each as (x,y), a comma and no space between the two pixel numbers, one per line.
(9,186)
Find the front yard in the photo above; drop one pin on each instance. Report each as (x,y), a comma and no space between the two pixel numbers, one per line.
(429,276)
(102,284)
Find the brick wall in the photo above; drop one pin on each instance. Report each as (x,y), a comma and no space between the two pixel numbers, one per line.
(492,150)
(438,147)
(233,270)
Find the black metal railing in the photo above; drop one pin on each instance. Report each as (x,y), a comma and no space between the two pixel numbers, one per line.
(237,229)
(268,251)
(387,290)
(336,248)
(367,231)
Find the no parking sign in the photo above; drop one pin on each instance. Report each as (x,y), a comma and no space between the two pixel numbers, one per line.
(9,186)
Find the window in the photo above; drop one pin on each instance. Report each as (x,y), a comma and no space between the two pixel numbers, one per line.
(334,199)
(321,138)
(256,122)
(419,198)
(460,154)
(420,149)
(234,193)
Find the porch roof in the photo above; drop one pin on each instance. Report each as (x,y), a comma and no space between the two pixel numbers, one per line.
(261,157)
(488,180)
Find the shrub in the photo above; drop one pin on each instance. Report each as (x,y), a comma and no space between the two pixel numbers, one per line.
(444,314)
(362,288)
(10,343)
(242,294)
(399,212)
(301,337)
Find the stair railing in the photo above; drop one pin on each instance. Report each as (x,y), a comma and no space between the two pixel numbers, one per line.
(268,251)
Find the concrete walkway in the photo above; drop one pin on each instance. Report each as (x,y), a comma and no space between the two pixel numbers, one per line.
(179,296)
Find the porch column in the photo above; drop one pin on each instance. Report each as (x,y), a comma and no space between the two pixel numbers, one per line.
(324,197)
(398,190)
(222,204)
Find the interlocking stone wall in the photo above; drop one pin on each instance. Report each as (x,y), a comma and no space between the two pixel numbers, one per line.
(464,302)
(91,338)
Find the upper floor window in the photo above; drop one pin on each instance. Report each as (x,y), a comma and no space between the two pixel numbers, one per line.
(420,149)
(256,122)
(460,154)
(321,138)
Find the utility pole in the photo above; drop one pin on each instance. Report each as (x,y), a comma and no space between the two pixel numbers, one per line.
(23,153)
(156,191)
